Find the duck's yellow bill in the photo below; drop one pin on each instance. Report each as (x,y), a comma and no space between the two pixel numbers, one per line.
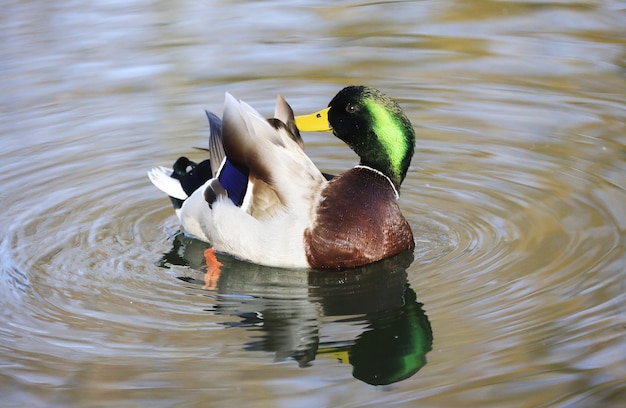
(315,122)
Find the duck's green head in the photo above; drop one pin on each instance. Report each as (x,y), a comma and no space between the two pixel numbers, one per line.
(373,125)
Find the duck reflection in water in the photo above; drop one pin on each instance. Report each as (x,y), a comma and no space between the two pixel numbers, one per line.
(368,317)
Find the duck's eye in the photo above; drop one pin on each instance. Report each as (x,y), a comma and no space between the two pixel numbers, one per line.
(350,108)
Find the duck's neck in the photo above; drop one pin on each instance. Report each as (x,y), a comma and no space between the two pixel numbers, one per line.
(392,162)
(394,144)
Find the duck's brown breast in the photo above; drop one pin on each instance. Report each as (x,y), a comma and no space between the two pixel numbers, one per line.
(358,222)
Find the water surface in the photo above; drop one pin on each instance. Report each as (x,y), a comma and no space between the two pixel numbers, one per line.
(514,296)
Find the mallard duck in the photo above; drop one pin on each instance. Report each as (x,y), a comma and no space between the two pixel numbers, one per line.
(260,198)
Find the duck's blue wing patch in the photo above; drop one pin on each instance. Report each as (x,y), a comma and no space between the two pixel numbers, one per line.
(234,179)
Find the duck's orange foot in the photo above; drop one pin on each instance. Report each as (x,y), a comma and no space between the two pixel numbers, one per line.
(213,269)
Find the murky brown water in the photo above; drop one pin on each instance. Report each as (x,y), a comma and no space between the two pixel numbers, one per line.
(516,294)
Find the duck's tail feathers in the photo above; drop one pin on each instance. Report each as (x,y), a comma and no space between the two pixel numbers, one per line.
(162,178)
(182,180)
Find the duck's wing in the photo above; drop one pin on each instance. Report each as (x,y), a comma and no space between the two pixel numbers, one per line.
(282,176)
(216,149)
(284,113)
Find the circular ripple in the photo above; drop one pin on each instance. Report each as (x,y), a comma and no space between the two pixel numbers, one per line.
(535,240)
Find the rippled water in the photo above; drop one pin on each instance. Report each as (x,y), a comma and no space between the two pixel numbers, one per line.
(515,295)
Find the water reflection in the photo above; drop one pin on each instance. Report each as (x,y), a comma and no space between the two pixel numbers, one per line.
(367,317)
